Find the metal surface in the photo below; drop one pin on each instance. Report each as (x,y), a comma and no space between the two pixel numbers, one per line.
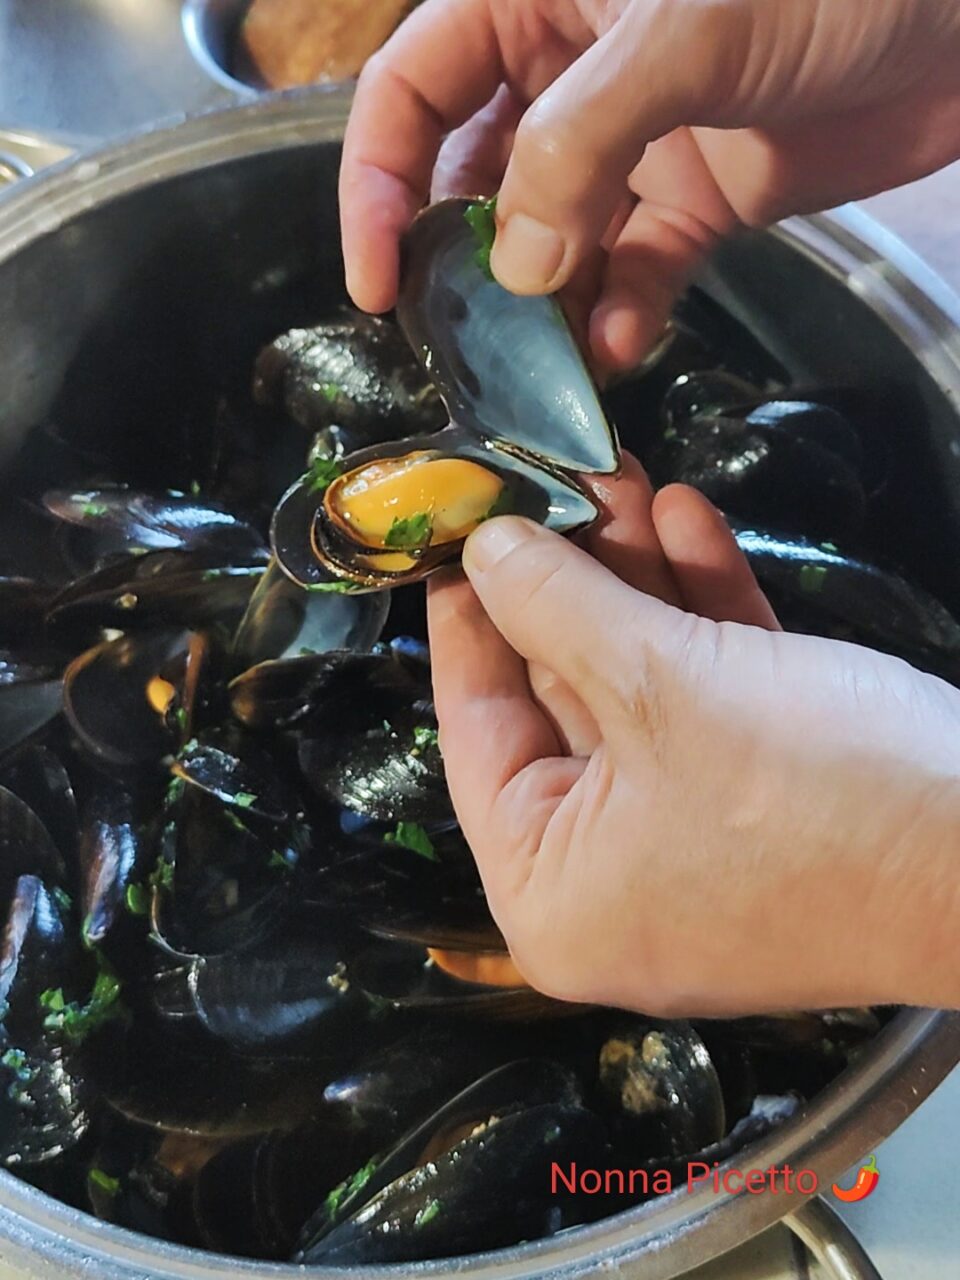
(831,1242)
(95,69)
(184,250)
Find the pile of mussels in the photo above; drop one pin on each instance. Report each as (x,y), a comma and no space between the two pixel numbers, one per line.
(234,886)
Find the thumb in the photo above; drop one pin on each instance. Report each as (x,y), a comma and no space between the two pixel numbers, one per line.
(555,605)
(663,64)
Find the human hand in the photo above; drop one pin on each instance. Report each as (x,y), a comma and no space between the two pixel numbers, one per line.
(691,814)
(626,137)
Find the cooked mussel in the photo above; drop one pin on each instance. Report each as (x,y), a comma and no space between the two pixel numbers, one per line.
(524,417)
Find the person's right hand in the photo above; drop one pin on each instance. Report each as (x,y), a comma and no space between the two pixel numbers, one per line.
(648,127)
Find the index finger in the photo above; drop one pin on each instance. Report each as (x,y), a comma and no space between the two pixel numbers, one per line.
(440,67)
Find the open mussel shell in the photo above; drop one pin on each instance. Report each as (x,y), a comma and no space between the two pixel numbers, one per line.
(238,775)
(164,588)
(31,695)
(507,367)
(395,512)
(403,977)
(116,696)
(44,1105)
(284,621)
(38,776)
(355,373)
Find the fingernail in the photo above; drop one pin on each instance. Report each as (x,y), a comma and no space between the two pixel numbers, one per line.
(493,540)
(526,254)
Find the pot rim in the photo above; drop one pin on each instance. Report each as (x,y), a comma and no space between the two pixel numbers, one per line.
(912,1055)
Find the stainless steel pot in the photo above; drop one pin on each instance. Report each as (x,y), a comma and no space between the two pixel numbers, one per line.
(128,275)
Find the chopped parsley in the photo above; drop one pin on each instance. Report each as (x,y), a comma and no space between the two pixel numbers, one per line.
(161,877)
(410,533)
(245,799)
(812,577)
(330,391)
(335,588)
(481,218)
(323,472)
(829,546)
(423,737)
(410,835)
(76,1020)
(95,509)
(427,1213)
(349,1187)
(62,899)
(103,1182)
(502,505)
(278,862)
(16,1060)
(138,899)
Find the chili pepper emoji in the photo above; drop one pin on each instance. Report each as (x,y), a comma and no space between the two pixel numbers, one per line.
(867,1179)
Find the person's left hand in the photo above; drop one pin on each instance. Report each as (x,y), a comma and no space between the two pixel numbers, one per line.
(674,805)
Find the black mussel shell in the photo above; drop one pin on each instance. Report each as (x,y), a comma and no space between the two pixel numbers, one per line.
(165,588)
(404,978)
(484,1193)
(513,1087)
(662,1088)
(136,521)
(26,848)
(220,884)
(31,695)
(38,776)
(355,372)
(406,883)
(116,855)
(285,621)
(107,696)
(783,464)
(815,589)
(708,393)
(237,774)
(44,1105)
(291,990)
(39,956)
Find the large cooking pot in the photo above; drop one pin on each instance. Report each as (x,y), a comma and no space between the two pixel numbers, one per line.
(128,277)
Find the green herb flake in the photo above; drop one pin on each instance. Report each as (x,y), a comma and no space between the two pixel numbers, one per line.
(482,220)
(16,1060)
(335,588)
(427,1213)
(410,835)
(330,391)
(411,533)
(502,505)
(103,1182)
(322,473)
(306,652)
(278,862)
(62,899)
(349,1187)
(180,715)
(52,1000)
(138,899)
(86,931)
(812,577)
(161,877)
(829,546)
(245,799)
(670,433)
(425,737)
(94,509)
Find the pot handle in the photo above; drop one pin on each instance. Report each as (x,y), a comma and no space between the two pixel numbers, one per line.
(23,154)
(830,1240)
